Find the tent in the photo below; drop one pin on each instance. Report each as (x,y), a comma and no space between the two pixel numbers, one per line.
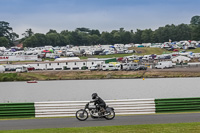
(180,59)
(140,46)
(46,51)
(51,50)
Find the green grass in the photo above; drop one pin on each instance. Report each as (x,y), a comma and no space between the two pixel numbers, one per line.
(197,50)
(149,51)
(106,56)
(10,77)
(154,128)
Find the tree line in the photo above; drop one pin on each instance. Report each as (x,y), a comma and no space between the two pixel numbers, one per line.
(86,36)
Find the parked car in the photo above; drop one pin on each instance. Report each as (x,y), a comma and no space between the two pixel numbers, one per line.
(141,67)
(30,68)
(21,69)
(147,57)
(168,57)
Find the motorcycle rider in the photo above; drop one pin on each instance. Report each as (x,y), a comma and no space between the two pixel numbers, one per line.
(101,105)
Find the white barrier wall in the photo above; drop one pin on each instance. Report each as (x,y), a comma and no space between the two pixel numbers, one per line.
(69,108)
(19,58)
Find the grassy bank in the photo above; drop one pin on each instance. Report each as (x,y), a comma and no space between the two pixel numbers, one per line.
(73,75)
(154,128)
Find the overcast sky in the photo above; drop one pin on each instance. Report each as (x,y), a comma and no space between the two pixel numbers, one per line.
(104,15)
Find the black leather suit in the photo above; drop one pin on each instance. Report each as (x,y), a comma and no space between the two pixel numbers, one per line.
(99,101)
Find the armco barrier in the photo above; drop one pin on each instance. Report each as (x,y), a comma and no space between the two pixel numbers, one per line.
(177,105)
(17,110)
(127,106)
(69,108)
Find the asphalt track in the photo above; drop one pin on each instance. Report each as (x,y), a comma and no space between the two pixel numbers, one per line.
(119,120)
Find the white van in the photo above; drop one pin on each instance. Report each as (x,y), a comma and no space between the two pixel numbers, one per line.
(107,67)
(118,67)
(2,69)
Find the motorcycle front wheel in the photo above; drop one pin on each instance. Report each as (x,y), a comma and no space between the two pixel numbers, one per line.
(82,115)
(110,115)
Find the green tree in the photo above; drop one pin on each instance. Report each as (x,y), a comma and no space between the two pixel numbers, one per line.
(195,32)
(74,38)
(51,31)
(53,39)
(64,40)
(4,42)
(146,36)
(36,40)
(126,37)
(183,32)
(83,29)
(28,33)
(116,36)
(95,32)
(7,31)
(195,20)
(137,37)
(106,38)
(65,33)
(94,39)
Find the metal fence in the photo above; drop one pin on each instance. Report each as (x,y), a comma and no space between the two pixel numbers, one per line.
(69,108)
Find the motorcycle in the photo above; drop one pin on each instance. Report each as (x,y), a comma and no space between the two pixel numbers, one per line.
(95,112)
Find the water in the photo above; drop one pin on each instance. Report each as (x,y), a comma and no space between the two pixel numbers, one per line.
(75,90)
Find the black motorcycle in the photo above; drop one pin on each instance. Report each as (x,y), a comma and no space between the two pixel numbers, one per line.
(95,112)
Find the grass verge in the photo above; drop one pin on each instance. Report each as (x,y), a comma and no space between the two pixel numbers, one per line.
(154,128)
(83,75)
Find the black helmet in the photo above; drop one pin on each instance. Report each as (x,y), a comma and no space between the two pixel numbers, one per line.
(94,95)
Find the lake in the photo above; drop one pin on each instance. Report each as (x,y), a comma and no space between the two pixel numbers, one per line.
(76,90)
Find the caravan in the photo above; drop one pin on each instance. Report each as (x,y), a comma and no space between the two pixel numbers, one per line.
(165,64)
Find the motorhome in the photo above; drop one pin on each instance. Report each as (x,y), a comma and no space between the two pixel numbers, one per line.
(129,66)
(107,67)
(165,64)
(117,65)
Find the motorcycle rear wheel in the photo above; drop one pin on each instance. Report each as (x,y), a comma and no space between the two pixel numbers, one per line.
(111,115)
(82,115)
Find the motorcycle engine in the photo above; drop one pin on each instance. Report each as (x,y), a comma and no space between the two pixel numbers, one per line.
(94,112)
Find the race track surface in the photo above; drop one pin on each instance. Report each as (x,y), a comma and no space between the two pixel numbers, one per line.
(119,120)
